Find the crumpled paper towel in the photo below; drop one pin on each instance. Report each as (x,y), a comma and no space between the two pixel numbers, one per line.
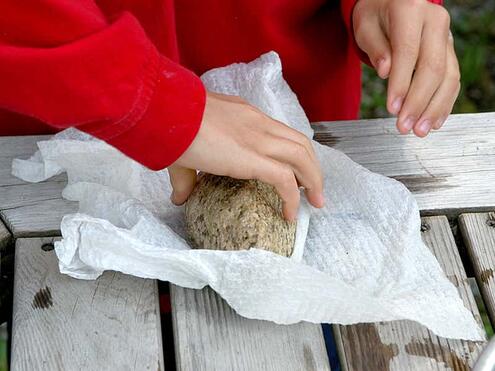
(363,261)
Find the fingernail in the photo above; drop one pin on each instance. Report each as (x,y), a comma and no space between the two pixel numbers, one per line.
(172,197)
(408,123)
(379,63)
(396,105)
(439,123)
(379,68)
(321,200)
(424,127)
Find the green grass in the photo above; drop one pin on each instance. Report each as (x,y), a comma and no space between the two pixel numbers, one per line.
(3,355)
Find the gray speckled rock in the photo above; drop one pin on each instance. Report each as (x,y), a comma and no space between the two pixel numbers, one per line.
(231,214)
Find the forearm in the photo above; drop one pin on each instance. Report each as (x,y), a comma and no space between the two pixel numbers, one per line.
(104,78)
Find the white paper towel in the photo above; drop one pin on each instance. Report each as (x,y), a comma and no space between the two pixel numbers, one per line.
(364,260)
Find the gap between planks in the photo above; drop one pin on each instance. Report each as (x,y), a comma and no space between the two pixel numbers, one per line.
(478,232)
(209,335)
(449,171)
(406,345)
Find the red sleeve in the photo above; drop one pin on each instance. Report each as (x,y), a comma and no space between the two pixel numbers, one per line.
(347,6)
(63,63)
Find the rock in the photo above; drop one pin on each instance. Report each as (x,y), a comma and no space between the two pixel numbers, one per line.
(230,214)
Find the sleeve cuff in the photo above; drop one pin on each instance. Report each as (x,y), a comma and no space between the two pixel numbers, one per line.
(171,120)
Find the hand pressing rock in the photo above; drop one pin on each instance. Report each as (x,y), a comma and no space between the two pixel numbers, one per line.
(224,213)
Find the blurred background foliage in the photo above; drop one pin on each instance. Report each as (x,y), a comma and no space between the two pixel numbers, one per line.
(473,26)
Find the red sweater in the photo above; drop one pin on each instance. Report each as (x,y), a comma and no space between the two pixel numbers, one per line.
(126,71)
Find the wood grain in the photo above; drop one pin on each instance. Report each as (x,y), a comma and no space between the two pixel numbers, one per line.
(30,209)
(61,323)
(406,345)
(449,171)
(209,335)
(478,233)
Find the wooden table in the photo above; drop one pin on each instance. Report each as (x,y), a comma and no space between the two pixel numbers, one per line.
(60,323)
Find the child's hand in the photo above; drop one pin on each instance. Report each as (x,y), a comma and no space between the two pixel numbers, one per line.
(238,140)
(409,42)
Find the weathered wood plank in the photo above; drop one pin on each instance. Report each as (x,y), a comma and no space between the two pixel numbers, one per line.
(61,323)
(452,169)
(478,233)
(34,210)
(30,209)
(209,335)
(406,345)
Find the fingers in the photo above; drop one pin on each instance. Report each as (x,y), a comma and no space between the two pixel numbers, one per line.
(305,168)
(443,101)
(297,151)
(238,140)
(283,179)
(405,27)
(183,181)
(372,40)
(279,129)
(429,74)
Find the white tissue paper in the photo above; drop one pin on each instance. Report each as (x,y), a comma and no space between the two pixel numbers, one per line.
(363,258)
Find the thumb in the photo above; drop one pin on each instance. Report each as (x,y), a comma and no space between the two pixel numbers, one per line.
(183,181)
(371,39)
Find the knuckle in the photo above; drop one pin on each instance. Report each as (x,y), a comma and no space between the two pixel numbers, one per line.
(360,37)
(436,65)
(456,76)
(299,151)
(360,34)
(293,194)
(441,16)
(309,147)
(358,14)
(304,140)
(407,50)
(411,3)
(285,176)
(450,39)
(459,87)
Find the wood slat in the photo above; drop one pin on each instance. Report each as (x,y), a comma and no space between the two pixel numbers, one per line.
(451,170)
(209,335)
(406,345)
(61,323)
(478,232)
(30,209)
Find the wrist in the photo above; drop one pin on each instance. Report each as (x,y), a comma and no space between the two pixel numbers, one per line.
(170,122)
